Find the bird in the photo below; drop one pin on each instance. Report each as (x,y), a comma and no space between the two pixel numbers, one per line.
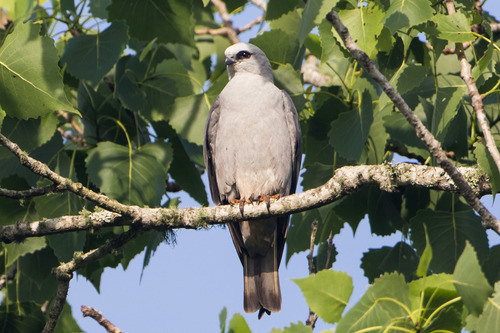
(252,151)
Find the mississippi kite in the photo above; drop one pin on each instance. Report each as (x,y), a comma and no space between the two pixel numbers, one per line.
(252,151)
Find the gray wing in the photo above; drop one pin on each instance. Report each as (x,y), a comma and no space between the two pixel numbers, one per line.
(292,120)
(209,149)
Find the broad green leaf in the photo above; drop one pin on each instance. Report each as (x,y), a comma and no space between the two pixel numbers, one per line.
(129,76)
(287,78)
(98,8)
(453,28)
(490,319)
(280,47)
(384,211)
(31,82)
(15,251)
(169,21)
(237,324)
(65,245)
(188,116)
(350,130)
(161,151)
(31,319)
(402,14)
(488,165)
(182,169)
(314,13)
(18,9)
(327,293)
(364,25)
(446,105)
(437,304)
(276,8)
(448,232)
(30,133)
(401,258)
(385,303)
(402,134)
(491,266)
(470,281)
(131,177)
(90,57)
(35,279)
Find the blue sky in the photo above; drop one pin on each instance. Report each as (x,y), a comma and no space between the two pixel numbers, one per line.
(186,286)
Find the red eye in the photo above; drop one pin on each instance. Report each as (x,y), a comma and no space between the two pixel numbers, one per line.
(243,55)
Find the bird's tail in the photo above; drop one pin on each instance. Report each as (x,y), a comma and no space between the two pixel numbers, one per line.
(262,286)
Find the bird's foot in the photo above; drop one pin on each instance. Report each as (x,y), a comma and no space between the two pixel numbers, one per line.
(241,203)
(267,199)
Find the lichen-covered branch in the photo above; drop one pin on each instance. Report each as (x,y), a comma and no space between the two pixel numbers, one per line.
(346,180)
(434,146)
(63,183)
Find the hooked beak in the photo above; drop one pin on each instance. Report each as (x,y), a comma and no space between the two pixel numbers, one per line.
(229,61)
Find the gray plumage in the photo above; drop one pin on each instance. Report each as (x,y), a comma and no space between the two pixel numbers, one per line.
(253,148)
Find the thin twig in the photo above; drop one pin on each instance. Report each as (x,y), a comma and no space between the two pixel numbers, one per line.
(476,99)
(434,146)
(89,311)
(329,250)
(226,19)
(64,273)
(312,318)
(34,192)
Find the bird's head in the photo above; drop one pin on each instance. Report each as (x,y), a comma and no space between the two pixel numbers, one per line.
(247,58)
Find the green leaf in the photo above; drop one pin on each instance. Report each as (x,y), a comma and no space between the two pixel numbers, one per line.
(64,245)
(349,131)
(31,319)
(18,9)
(182,169)
(188,116)
(488,165)
(491,266)
(17,250)
(453,28)
(169,21)
(401,258)
(279,46)
(448,232)
(30,133)
(364,25)
(161,151)
(98,8)
(314,13)
(131,177)
(327,293)
(287,78)
(276,8)
(436,301)
(490,319)
(385,303)
(90,57)
(426,257)
(31,82)
(446,105)
(222,320)
(407,13)
(237,324)
(470,281)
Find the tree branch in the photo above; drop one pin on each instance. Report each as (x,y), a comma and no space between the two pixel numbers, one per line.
(476,99)
(89,311)
(346,180)
(33,192)
(434,146)
(43,170)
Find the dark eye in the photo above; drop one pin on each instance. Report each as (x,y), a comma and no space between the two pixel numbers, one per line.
(243,55)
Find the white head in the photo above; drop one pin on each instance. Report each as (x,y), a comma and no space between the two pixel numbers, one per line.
(247,58)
